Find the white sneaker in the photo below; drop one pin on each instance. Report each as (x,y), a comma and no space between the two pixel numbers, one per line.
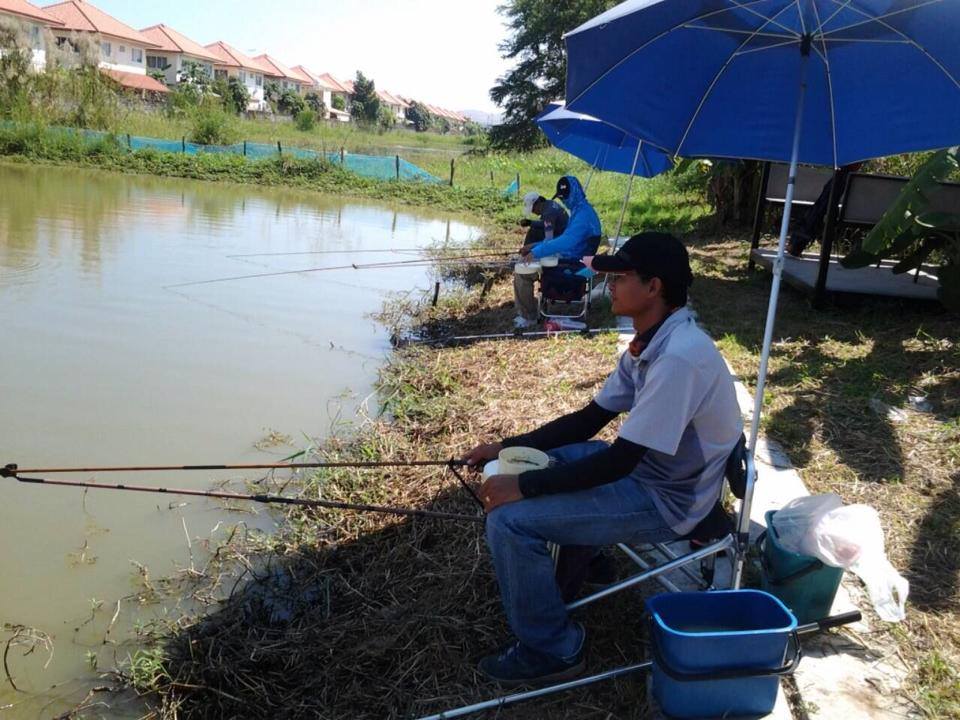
(521,323)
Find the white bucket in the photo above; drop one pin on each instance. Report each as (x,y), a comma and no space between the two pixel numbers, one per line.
(515,460)
(526,268)
(550,261)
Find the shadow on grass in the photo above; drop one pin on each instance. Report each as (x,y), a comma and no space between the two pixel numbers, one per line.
(388,624)
(935,554)
(836,373)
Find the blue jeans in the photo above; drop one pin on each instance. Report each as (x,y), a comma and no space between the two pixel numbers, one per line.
(518,533)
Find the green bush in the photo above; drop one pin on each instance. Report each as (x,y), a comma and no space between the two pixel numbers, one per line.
(306,120)
(213,125)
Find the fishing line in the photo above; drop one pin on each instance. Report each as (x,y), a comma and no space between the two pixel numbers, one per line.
(417,262)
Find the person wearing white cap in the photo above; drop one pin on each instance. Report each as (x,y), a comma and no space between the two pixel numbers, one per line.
(552,222)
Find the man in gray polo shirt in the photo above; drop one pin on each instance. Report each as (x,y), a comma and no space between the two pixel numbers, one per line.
(655,483)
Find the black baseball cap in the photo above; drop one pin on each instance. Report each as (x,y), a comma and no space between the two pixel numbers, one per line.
(651,254)
(563,188)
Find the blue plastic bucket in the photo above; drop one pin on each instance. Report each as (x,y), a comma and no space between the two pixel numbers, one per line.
(720,654)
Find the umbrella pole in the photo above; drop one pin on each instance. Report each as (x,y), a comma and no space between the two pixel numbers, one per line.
(778,264)
(626,198)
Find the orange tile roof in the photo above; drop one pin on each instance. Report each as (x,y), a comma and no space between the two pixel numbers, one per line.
(332,83)
(275,68)
(166,38)
(135,81)
(303,75)
(307,73)
(23,9)
(84,17)
(231,57)
(347,85)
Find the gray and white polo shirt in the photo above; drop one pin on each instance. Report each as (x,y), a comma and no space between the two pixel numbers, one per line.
(683,408)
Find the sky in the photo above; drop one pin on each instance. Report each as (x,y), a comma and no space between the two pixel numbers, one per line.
(443,52)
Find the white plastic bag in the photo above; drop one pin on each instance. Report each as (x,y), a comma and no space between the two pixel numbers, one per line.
(795,521)
(851,537)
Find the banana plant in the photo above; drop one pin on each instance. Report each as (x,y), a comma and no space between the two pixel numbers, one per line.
(911,230)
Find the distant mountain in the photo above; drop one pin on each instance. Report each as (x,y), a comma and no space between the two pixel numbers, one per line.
(484,118)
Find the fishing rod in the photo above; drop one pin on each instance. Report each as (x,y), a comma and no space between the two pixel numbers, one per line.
(352,266)
(13,471)
(516,335)
(333,252)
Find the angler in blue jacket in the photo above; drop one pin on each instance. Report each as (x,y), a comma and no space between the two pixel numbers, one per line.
(571,245)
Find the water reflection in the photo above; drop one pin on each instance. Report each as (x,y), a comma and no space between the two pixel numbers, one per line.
(102,365)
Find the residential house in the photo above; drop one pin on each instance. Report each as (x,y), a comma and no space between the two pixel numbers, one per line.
(285,78)
(34,21)
(122,49)
(337,89)
(396,105)
(326,87)
(233,63)
(174,52)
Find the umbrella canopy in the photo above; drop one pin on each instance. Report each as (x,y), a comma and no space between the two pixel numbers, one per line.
(827,82)
(601,145)
(721,78)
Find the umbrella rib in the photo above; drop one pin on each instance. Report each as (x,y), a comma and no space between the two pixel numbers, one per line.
(836,12)
(652,40)
(726,31)
(713,84)
(826,63)
(879,19)
(740,53)
(770,19)
(873,18)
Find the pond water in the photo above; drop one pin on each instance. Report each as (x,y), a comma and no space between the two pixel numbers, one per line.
(103,364)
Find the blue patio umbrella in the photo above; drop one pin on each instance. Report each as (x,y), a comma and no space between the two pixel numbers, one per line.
(825,82)
(602,146)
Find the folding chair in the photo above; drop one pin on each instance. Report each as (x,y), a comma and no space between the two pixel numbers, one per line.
(568,286)
(717,533)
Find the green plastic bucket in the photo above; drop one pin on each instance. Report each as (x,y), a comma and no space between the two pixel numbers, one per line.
(801,582)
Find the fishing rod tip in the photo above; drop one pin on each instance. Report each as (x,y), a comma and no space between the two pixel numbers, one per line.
(9,470)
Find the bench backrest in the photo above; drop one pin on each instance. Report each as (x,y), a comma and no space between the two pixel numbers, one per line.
(868,197)
(809,185)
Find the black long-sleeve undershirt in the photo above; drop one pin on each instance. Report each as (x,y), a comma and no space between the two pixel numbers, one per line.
(598,469)
(578,426)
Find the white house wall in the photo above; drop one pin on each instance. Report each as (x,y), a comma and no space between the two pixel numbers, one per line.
(176,64)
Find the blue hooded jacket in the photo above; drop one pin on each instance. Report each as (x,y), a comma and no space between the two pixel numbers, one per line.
(584,224)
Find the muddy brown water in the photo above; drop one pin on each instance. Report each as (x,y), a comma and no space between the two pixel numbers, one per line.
(102,365)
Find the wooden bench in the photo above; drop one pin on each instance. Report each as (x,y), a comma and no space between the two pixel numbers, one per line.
(773,191)
(860,203)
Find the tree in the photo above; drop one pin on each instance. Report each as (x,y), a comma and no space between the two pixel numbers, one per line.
(315,103)
(364,102)
(233,94)
(290,102)
(338,102)
(271,93)
(421,118)
(536,43)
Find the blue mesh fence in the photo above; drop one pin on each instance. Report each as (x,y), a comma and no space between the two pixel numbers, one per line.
(380,167)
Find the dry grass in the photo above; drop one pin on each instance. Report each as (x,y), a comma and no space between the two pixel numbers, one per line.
(362,616)
(371,617)
(834,375)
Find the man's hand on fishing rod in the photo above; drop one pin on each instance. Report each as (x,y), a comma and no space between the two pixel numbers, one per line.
(499,490)
(482,453)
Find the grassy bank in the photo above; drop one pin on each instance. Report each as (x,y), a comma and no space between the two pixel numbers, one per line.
(38,144)
(393,615)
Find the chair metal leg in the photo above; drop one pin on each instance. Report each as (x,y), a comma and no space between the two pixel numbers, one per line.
(712,549)
(539,692)
(644,565)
